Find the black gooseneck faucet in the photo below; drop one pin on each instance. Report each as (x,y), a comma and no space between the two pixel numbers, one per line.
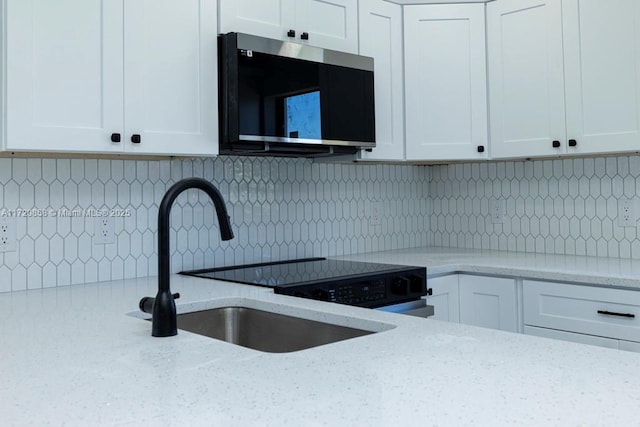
(163,307)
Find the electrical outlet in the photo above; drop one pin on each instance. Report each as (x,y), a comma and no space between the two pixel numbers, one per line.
(104,232)
(8,241)
(497,210)
(375,213)
(627,212)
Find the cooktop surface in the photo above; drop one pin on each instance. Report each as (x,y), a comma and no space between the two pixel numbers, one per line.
(295,272)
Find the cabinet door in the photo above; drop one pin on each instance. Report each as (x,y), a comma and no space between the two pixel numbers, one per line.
(445,298)
(171,77)
(489,302)
(526,84)
(602,69)
(266,18)
(381,38)
(64,84)
(331,24)
(446,99)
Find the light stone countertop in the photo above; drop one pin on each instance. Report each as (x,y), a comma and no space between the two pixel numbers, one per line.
(613,272)
(74,356)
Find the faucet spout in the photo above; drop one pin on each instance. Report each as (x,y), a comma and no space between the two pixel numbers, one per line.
(164,318)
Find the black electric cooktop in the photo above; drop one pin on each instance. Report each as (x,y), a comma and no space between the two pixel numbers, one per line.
(363,284)
(295,272)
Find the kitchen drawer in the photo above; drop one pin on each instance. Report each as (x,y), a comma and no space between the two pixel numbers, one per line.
(571,336)
(603,312)
(630,346)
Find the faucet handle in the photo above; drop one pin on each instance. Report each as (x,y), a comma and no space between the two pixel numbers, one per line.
(146,303)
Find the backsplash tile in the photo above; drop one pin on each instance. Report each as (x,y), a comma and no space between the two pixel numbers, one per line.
(279,208)
(282,208)
(553,206)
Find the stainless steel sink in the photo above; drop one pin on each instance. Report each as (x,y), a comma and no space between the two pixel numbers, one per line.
(264,330)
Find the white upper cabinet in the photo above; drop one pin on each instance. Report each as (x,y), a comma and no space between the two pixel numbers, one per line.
(111,76)
(381,38)
(602,75)
(445,69)
(171,76)
(64,80)
(330,24)
(526,80)
(266,18)
(564,77)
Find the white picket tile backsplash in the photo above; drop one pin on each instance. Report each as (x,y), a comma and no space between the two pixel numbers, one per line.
(279,208)
(553,206)
(283,208)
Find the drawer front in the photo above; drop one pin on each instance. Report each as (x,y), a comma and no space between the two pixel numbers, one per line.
(603,312)
(571,336)
(629,346)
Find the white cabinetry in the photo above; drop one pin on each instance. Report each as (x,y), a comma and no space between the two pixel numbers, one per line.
(331,24)
(526,84)
(381,38)
(585,314)
(570,336)
(445,69)
(171,77)
(564,77)
(602,74)
(490,302)
(445,298)
(588,314)
(111,77)
(629,346)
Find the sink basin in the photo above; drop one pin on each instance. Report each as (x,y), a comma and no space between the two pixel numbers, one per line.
(264,330)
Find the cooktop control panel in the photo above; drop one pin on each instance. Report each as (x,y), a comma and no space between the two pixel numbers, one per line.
(372,292)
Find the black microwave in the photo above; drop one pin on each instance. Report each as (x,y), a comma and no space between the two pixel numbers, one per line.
(288,99)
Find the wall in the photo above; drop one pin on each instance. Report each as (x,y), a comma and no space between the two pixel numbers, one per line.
(553,206)
(280,208)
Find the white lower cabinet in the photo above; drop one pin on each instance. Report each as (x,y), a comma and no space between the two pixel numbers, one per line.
(490,302)
(580,313)
(629,346)
(588,314)
(445,298)
(571,336)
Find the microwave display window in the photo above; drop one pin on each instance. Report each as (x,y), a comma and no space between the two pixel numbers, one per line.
(303,116)
(294,100)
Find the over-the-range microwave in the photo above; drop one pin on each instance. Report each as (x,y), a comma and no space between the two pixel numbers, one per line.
(288,99)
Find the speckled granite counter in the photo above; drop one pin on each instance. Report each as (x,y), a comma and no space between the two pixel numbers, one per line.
(73,356)
(561,268)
